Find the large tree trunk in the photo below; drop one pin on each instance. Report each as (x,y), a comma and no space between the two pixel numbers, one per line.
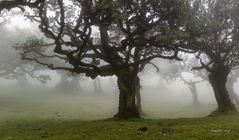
(218,79)
(127,88)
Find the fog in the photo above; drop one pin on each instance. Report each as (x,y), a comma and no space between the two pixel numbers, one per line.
(159,100)
(36,99)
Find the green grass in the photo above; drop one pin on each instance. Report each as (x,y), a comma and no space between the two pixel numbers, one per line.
(224,127)
(57,116)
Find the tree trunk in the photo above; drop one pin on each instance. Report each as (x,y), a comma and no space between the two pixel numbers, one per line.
(218,79)
(97,85)
(127,88)
(64,82)
(193,90)
(100,86)
(74,84)
(138,96)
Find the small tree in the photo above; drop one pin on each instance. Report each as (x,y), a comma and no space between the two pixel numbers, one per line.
(175,71)
(68,81)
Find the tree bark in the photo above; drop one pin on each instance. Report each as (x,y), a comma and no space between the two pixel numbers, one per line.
(127,88)
(218,79)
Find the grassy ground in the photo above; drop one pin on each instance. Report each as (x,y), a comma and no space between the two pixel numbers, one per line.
(210,128)
(58,116)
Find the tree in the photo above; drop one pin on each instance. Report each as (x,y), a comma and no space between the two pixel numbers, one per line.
(18,70)
(11,65)
(175,70)
(120,35)
(65,83)
(216,38)
(192,87)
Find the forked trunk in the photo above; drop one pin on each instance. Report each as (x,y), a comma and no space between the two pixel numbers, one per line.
(218,79)
(127,88)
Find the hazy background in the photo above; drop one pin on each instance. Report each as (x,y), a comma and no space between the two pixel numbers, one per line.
(160,99)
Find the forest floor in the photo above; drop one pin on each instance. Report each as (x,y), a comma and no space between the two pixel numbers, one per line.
(224,127)
(58,116)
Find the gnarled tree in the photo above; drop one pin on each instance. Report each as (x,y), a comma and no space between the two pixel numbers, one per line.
(120,35)
(217,42)
(176,70)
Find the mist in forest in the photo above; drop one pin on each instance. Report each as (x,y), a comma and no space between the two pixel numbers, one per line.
(44,93)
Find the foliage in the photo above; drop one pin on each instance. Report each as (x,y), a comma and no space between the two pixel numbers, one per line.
(217,36)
